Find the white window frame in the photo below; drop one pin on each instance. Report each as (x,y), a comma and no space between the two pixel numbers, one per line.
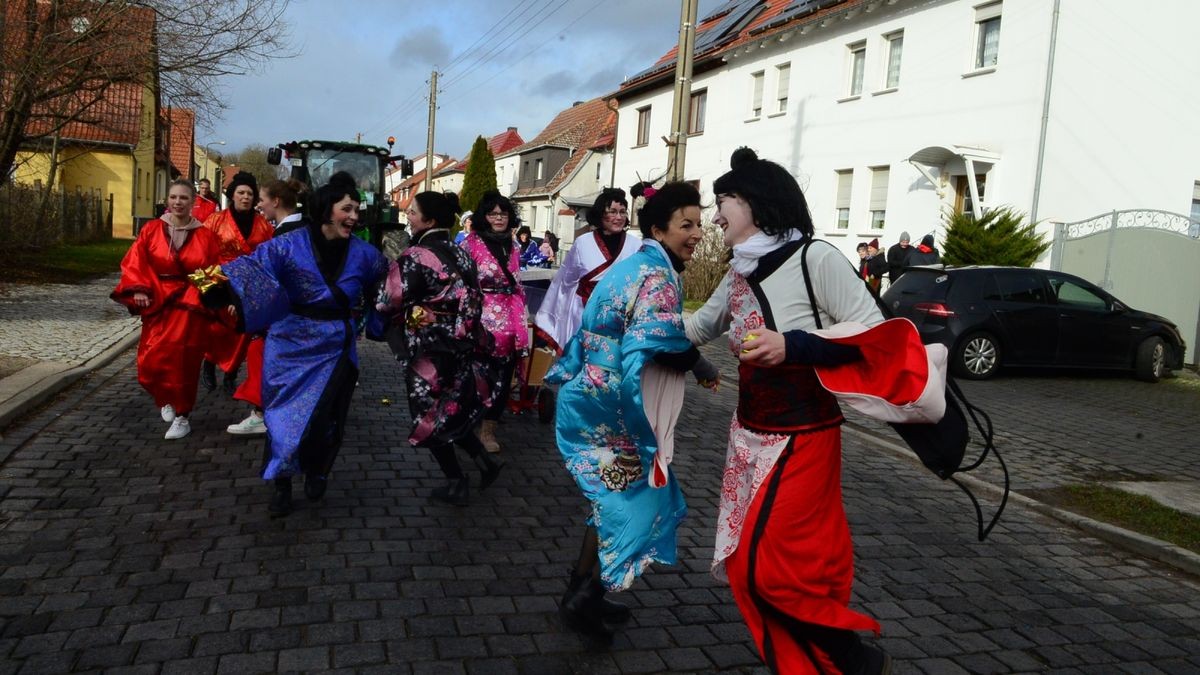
(783,84)
(539,169)
(694,127)
(856,68)
(643,127)
(986,16)
(757,84)
(877,208)
(844,182)
(892,57)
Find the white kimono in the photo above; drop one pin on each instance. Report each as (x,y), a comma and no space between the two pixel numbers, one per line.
(561,311)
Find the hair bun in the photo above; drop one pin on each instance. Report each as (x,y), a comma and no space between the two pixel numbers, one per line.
(343,179)
(743,156)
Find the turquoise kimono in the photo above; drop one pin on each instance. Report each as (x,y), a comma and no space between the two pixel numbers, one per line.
(603,433)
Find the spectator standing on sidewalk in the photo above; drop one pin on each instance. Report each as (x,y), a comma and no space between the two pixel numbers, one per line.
(432,294)
(621,392)
(782,538)
(240,230)
(302,289)
(154,286)
(925,253)
(584,265)
(207,202)
(497,263)
(277,202)
(897,258)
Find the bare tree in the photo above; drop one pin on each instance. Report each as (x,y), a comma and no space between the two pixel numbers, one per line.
(253,159)
(62,60)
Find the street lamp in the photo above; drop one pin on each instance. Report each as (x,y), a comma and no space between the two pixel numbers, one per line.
(206,151)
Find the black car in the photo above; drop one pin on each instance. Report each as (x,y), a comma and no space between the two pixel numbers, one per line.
(993,316)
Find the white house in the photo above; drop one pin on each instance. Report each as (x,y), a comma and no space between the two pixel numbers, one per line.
(890,112)
(561,170)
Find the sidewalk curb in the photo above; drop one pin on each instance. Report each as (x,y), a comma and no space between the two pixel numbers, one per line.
(50,385)
(1156,549)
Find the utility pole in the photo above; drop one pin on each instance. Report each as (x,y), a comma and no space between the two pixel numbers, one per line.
(429,140)
(677,143)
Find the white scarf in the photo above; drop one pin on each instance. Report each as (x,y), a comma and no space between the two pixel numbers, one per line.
(747,253)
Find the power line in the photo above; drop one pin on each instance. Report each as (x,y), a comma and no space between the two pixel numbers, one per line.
(505,47)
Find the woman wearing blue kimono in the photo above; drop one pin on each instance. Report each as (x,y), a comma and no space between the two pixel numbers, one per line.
(306,286)
(621,391)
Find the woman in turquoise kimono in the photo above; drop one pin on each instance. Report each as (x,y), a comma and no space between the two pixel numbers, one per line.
(306,286)
(621,391)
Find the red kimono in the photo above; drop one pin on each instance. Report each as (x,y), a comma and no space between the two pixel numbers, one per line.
(226,347)
(203,208)
(175,324)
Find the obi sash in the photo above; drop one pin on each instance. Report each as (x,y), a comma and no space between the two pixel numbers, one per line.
(784,399)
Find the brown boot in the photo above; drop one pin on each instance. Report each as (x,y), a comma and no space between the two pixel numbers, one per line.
(487,435)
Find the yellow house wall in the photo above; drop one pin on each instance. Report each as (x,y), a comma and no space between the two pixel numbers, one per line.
(108,172)
(145,195)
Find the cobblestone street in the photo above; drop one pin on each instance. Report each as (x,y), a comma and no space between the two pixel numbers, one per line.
(68,323)
(126,553)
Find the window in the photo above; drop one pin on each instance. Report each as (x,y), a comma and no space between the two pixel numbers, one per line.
(643,127)
(1020,286)
(879,189)
(696,112)
(844,180)
(597,170)
(756,94)
(962,193)
(540,173)
(987,35)
(1072,294)
(1194,227)
(895,47)
(858,62)
(784,74)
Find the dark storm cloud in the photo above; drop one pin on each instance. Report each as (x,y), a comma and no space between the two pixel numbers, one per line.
(423,46)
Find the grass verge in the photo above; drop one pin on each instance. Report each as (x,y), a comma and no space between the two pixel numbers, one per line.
(693,305)
(68,264)
(1130,511)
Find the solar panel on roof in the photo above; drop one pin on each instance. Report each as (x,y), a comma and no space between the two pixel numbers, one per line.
(798,8)
(730,26)
(722,10)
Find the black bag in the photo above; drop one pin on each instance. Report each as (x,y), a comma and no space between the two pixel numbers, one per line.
(941,446)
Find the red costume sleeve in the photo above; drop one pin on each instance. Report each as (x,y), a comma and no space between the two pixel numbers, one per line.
(137,274)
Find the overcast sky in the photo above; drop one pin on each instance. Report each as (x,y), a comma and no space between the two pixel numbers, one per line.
(364,66)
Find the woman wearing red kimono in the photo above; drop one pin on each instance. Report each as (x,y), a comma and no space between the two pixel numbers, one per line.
(783,541)
(240,230)
(154,285)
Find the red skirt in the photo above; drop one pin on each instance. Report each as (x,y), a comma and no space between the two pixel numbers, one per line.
(226,347)
(169,354)
(794,565)
(250,390)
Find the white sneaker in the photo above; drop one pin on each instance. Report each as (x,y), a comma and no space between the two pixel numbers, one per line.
(179,429)
(253,424)
(168,413)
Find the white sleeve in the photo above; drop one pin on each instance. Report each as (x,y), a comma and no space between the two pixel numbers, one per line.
(710,321)
(561,302)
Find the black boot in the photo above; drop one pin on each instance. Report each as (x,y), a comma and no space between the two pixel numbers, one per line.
(581,611)
(208,375)
(612,612)
(281,501)
(314,486)
(489,469)
(453,492)
(229,382)
(874,661)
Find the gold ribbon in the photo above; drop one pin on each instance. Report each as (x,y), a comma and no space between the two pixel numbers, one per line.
(207,277)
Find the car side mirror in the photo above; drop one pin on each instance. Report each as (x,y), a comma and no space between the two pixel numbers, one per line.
(274,156)
(1117,307)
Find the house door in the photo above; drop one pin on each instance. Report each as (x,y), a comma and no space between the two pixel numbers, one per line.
(962,193)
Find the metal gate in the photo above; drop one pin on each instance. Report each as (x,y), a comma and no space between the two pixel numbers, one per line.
(1149,259)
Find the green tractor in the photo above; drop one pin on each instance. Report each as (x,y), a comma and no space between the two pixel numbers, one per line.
(313,162)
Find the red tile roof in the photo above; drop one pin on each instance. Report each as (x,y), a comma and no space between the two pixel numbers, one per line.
(100,112)
(758,28)
(181,138)
(413,181)
(582,127)
(498,144)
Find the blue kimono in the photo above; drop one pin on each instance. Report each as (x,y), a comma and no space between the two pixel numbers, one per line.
(310,365)
(603,433)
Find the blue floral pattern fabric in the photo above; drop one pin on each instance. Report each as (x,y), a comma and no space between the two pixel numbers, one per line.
(603,433)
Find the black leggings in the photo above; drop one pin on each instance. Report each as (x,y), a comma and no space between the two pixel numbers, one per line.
(507,367)
(448,461)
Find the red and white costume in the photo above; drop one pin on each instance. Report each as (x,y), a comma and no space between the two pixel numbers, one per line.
(782,541)
(561,311)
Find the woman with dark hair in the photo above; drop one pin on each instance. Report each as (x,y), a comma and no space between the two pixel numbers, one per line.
(278,202)
(621,392)
(549,247)
(782,540)
(530,251)
(240,229)
(490,245)
(432,290)
(584,265)
(304,287)
(154,286)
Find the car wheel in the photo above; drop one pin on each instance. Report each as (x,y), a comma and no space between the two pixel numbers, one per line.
(977,356)
(1151,363)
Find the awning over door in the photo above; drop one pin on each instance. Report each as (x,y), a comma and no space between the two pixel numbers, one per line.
(942,157)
